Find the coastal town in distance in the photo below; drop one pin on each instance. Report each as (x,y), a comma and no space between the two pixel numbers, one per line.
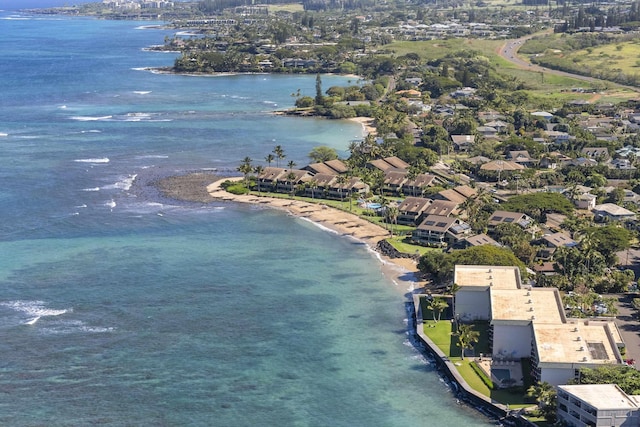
(501,165)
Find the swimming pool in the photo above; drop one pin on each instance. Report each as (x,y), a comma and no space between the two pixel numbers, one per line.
(501,374)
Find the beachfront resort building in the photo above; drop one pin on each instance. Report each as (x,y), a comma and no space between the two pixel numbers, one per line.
(597,405)
(528,322)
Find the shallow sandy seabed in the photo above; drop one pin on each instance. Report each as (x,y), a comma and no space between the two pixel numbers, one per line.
(402,271)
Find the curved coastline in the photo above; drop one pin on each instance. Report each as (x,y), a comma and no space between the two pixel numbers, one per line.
(403,272)
(398,270)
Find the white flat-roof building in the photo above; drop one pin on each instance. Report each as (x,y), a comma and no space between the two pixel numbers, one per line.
(531,322)
(561,350)
(597,405)
(512,313)
(474,281)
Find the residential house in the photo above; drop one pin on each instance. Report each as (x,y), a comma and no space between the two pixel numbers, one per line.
(334,167)
(457,194)
(389,163)
(487,131)
(478,160)
(417,185)
(441,207)
(581,161)
(463,142)
(487,116)
(631,197)
(612,212)
(477,240)
(596,153)
(554,241)
(440,231)
(500,166)
(289,179)
(585,405)
(621,163)
(319,184)
(341,189)
(506,217)
(585,201)
(267,179)
(521,157)
(412,209)
(557,137)
(544,115)
(498,125)
(393,181)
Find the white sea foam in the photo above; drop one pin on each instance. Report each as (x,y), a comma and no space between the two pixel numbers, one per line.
(91,131)
(4,134)
(124,183)
(320,226)
(91,189)
(91,118)
(152,156)
(96,160)
(62,107)
(110,204)
(142,92)
(33,310)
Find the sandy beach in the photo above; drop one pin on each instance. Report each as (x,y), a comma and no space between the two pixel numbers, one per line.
(367,124)
(401,271)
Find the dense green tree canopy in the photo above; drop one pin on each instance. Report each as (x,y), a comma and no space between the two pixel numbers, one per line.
(626,377)
(610,239)
(441,265)
(323,154)
(537,205)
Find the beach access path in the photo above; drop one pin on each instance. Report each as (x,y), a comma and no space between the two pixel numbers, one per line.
(343,223)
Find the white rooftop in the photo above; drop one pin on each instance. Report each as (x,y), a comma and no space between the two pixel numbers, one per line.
(575,343)
(542,305)
(484,276)
(601,396)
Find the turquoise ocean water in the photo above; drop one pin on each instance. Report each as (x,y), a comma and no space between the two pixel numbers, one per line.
(120,308)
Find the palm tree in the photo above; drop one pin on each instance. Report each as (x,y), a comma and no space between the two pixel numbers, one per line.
(258,170)
(270,158)
(291,178)
(437,305)
(279,152)
(467,337)
(245,168)
(341,180)
(392,216)
(291,164)
(313,184)
(544,394)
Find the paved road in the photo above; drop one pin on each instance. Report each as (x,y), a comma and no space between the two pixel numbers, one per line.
(509,51)
(629,326)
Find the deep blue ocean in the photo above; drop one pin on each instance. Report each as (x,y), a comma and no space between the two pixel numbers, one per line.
(121,308)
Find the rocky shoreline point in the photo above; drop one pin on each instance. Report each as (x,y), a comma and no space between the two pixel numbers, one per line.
(204,187)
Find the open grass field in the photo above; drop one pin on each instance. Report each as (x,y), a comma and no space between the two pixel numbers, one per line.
(288,7)
(622,56)
(434,49)
(545,88)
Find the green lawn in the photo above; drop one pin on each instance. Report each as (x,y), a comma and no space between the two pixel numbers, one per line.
(402,244)
(441,333)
